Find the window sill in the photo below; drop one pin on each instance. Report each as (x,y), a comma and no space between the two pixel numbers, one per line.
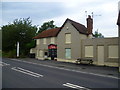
(67,43)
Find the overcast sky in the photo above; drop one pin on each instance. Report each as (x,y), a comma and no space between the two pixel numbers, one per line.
(105,12)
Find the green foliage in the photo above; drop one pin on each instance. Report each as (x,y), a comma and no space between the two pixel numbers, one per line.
(9,54)
(20,31)
(0,53)
(0,39)
(47,25)
(98,35)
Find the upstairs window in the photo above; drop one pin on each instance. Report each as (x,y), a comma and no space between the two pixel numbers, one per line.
(67,38)
(38,41)
(52,40)
(44,40)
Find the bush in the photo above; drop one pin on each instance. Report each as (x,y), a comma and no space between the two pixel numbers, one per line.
(0,53)
(9,54)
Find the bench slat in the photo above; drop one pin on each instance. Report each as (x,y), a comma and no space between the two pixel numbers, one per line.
(80,60)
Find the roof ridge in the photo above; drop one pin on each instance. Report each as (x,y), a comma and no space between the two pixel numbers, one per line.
(47,33)
(80,27)
(51,29)
(75,21)
(53,32)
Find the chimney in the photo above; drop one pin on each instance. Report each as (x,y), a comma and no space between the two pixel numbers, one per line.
(89,24)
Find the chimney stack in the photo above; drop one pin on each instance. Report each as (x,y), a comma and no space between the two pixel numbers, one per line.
(89,24)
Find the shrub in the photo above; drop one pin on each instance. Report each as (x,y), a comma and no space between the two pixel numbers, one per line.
(9,54)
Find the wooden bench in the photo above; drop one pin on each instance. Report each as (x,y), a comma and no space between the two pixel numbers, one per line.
(84,61)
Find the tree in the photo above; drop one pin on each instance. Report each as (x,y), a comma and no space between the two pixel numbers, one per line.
(98,35)
(20,31)
(0,39)
(47,25)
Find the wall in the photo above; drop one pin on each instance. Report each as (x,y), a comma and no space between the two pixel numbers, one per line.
(75,44)
(110,48)
(119,34)
(41,48)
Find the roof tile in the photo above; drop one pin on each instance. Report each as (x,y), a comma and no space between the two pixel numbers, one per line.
(47,33)
(54,32)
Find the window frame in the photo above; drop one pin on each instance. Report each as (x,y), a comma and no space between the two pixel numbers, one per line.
(67,41)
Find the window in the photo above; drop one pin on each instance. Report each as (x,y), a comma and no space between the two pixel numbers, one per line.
(41,53)
(38,41)
(52,40)
(88,51)
(113,51)
(67,38)
(37,53)
(44,40)
(68,53)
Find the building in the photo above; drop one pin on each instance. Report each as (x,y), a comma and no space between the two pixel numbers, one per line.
(74,40)
(43,40)
(118,23)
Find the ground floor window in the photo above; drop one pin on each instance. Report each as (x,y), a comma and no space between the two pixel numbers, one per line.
(37,53)
(88,51)
(113,51)
(41,53)
(68,53)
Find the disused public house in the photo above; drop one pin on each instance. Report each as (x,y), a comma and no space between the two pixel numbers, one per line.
(73,40)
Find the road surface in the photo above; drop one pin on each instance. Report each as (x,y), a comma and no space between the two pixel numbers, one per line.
(25,74)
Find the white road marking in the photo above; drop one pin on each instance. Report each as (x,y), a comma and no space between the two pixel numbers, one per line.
(68,69)
(30,72)
(75,86)
(27,72)
(3,64)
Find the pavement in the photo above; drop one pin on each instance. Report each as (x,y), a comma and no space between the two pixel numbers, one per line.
(100,70)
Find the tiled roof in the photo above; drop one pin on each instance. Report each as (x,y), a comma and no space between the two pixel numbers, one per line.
(54,32)
(81,28)
(47,33)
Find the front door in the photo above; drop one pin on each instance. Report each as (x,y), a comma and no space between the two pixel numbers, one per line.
(100,55)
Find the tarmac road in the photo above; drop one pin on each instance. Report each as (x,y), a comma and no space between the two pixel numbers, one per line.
(31,73)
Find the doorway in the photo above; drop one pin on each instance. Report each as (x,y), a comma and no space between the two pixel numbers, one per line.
(100,55)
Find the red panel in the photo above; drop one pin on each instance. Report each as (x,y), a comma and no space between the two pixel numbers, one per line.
(52,47)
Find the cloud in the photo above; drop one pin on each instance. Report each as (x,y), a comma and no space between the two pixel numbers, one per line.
(34,10)
(59,10)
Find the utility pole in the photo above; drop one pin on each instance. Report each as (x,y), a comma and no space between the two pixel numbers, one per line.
(18,49)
